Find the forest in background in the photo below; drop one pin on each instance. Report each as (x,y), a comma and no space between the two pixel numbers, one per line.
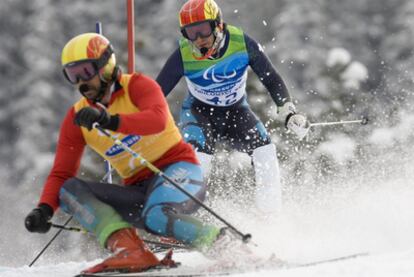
(340,59)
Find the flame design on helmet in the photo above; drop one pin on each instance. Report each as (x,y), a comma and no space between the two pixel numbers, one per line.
(199,10)
(96,47)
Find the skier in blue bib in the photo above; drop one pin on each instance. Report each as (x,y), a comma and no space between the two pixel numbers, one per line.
(214,57)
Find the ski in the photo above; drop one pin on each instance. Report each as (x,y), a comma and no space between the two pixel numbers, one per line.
(157,274)
(161,272)
(326,261)
(191,272)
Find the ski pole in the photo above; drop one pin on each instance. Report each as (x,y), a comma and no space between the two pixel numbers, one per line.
(50,242)
(63,227)
(363,121)
(66,228)
(156,243)
(245,237)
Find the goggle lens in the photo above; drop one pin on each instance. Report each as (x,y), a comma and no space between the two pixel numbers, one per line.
(192,32)
(81,71)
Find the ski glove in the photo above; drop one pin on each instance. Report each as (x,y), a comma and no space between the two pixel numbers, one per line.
(296,123)
(38,219)
(87,116)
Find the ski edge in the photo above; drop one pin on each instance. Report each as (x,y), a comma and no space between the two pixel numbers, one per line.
(165,273)
(327,261)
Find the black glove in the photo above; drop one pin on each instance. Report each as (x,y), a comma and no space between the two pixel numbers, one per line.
(38,219)
(87,116)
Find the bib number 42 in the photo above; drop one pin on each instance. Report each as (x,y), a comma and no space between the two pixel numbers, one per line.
(228,100)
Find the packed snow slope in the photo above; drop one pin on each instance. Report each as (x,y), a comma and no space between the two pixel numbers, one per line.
(341,220)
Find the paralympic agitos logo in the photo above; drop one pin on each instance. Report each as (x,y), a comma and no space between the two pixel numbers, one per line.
(211,74)
(128,140)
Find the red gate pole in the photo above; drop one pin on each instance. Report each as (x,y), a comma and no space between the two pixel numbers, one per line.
(131,36)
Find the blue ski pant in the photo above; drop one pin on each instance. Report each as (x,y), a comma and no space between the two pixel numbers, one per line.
(204,125)
(154,204)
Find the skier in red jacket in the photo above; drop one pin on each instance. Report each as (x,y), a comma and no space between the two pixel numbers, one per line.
(132,107)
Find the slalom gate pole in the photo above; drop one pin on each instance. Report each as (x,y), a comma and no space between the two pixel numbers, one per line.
(363,121)
(108,167)
(245,237)
(156,243)
(131,36)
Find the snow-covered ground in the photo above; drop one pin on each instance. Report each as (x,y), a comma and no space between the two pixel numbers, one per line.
(395,264)
(376,219)
(371,211)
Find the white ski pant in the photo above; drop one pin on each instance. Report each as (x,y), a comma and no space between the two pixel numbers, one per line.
(268,193)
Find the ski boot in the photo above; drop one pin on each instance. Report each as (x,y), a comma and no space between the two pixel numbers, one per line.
(130,254)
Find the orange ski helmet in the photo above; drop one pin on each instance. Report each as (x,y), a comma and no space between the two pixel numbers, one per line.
(202,18)
(194,11)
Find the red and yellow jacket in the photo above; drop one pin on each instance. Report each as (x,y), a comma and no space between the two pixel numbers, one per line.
(146,126)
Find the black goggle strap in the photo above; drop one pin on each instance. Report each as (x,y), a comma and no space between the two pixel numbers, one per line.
(106,55)
(103,60)
(66,75)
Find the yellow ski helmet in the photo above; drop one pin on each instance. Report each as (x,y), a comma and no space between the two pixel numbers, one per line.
(94,53)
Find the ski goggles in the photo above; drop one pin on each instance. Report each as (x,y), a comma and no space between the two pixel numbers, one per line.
(85,70)
(203,30)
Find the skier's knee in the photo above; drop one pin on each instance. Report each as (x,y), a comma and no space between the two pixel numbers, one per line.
(67,194)
(72,190)
(72,185)
(155,220)
(194,135)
